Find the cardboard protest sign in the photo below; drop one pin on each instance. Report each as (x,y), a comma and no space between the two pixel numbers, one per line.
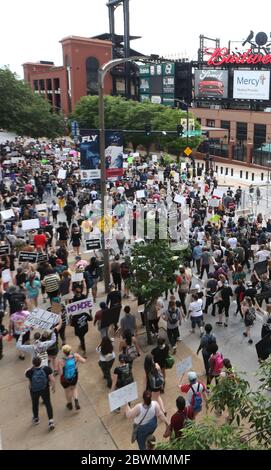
(214,203)
(81,306)
(30,224)
(4,250)
(24,256)
(179,199)
(122,396)
(42,319)
(183,366)
(7,214)
(140,194)
(77,277)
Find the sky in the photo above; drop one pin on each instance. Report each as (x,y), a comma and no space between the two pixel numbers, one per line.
(30,30)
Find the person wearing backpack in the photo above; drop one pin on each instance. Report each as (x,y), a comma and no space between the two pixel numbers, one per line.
(122,375)
(160,355)
(173,319)
(249,314)
(154,380)
(80,321)
(205,343)
(215,364)
(179,419)
(196,392)
(38,348)
(129,347)
(69,375)
(40,379)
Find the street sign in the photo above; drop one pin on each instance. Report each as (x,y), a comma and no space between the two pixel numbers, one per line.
(188,151)
(75,128)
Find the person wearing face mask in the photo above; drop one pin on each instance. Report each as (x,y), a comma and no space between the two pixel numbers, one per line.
(80,321)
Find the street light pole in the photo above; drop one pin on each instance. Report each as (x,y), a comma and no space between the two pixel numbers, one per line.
(103,70)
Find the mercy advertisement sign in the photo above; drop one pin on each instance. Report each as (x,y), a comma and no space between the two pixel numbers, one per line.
(251,84)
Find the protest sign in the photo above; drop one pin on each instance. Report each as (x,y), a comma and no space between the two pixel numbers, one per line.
(218,193)
(136,154)
(179,199)
(154,158)
(6,276)
(42,257)
(122,395)
(81,306)
(27,256)
(30,224)
(4,250)
(161,176)
(41,207)
(140,194)
(183,366)
(77,277)
(61,174)
(176,177)
(42,319)
(93,244)
(125,165)
(214,203)
(7,214)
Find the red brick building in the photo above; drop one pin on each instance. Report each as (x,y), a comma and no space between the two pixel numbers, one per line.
(63,86)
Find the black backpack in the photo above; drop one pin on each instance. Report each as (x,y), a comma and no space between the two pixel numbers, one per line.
(173,316)
(39,380)
(126,376)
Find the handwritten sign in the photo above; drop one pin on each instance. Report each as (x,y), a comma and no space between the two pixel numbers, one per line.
(179,199)
(42,319)
(183,366)
(7,214)
(122,396)
(140,194)
(77,277)
(61,174)
(81,306)
(30,224)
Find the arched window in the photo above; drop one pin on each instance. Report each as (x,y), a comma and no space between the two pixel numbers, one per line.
(92,66)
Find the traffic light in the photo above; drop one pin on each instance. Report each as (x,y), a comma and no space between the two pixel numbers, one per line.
(180,130)
(147,129)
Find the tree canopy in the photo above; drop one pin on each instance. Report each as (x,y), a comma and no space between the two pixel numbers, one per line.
(24,112)
(132,115)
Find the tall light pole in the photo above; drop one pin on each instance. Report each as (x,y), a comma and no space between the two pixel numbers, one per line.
(103,70)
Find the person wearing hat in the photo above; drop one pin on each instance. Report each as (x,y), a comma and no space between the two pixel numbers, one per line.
(195,391)
(69,375)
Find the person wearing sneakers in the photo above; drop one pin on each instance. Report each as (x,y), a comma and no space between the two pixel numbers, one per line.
(224,305)
(40,380)
(195,390)
(173,318)
(196,314)
(249,315)
(80,321)
(69,375)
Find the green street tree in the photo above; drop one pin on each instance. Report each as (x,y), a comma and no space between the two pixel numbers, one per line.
(153,267)
(132,115)
(24,112)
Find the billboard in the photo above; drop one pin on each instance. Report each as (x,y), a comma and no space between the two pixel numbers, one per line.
(211,83)
(251,84)
(90,155)
(157,83)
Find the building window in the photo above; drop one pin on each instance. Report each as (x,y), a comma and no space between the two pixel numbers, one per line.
(210,123)
(246,175)
(225,125)
(36,85)
(227,171)
(259,134)
(241,174)
(221,170)
(92,67)
(252,176)
(241,132)
(262,176)
(216,169)
(231,171)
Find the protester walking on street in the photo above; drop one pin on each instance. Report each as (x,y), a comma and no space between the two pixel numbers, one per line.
(69,375)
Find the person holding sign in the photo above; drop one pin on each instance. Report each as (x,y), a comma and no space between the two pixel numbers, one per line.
(80,321)
(69,375)
(122,375)
(145,419)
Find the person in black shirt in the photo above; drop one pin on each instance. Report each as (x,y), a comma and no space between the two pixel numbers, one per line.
(16,299)
(80,321)
(160,353)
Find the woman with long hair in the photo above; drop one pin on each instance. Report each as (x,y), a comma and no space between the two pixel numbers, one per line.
(106,359)
(145,418)
(129,347)
(69,375)
(154,380)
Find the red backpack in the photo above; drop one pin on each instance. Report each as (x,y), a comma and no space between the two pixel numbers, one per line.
(218,364)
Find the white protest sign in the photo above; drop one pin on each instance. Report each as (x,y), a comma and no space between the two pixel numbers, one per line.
(41,207)
(140,194)
(150,182)
(125,165)
(154,158)
(214,203)
(77,277)
(218,193)
(176,177)
(42,319)
(81,306)
(136,154)
(6,276)
(122,396)
(7,214)
(30,224)
(61,174)
(161,176)
(179,199)
(183,366)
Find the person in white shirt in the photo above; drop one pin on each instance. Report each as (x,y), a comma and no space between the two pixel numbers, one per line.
(196,314)
(232,241)
(263,254)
